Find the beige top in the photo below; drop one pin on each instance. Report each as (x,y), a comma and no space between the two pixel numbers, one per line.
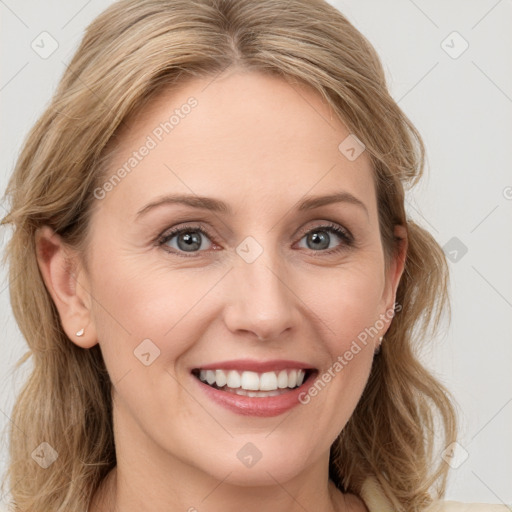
(376,501)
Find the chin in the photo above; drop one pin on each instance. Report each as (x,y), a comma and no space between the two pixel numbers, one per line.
(249,467)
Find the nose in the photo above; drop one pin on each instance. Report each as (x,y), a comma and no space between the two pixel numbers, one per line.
(261,300)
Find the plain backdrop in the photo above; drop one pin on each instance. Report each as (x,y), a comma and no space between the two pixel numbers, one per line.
(449,67)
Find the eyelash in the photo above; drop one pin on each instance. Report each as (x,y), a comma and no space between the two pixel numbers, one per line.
(330,227)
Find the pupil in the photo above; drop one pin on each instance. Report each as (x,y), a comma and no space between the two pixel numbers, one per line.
(190,241)
(318,239)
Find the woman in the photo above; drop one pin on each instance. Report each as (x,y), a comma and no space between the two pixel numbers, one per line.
(214,272)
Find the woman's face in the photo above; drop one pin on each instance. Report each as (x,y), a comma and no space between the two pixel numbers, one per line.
(259,280)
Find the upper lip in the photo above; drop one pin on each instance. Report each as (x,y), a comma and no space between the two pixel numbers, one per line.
(256,366)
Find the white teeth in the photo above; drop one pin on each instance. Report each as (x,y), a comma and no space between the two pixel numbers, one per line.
(292,379)
(268,381)
(252,381)
(233,380)
(252,394)
(210,377)
(282,379)
(220,378)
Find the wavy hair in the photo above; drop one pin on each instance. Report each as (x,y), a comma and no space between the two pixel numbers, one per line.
(128,54)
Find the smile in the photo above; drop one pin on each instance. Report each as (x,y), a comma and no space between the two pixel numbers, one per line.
(247,392)
(253,384)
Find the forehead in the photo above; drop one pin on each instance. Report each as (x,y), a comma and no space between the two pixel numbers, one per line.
(245,137)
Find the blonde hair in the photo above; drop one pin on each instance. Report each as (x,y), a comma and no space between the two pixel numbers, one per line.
(129,53)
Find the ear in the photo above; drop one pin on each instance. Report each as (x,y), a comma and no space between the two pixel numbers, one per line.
(396,268)
(67,284)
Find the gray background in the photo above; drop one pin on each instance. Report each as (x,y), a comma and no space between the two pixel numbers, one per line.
(461,102)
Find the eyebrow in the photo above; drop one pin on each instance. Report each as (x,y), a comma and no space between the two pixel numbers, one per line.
(218,206)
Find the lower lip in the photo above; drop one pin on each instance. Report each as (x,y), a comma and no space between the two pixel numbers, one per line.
(257,406)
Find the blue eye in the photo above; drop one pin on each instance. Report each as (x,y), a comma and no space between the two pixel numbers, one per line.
(191,239)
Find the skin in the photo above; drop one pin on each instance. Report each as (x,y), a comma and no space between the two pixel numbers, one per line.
(260,145)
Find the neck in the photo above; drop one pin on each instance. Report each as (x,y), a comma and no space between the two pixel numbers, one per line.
(112,496)
(149,478)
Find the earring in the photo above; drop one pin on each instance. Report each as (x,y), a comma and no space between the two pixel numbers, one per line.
(377,350)
(80,332)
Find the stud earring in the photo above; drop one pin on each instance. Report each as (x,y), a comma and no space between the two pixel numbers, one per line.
(80,332)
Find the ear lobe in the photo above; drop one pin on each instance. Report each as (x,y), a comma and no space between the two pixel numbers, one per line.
(60,267)
(396,267)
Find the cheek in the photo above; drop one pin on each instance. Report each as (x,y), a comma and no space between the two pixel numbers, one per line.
(349,305)
(135,303)
(348,301)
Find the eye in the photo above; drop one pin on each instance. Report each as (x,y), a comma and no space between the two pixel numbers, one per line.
(187,239)
(319,239)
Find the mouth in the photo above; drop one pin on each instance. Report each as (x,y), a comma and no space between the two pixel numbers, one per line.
(254,384)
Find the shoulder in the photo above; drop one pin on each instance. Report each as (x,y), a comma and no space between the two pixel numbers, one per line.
(376,501)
